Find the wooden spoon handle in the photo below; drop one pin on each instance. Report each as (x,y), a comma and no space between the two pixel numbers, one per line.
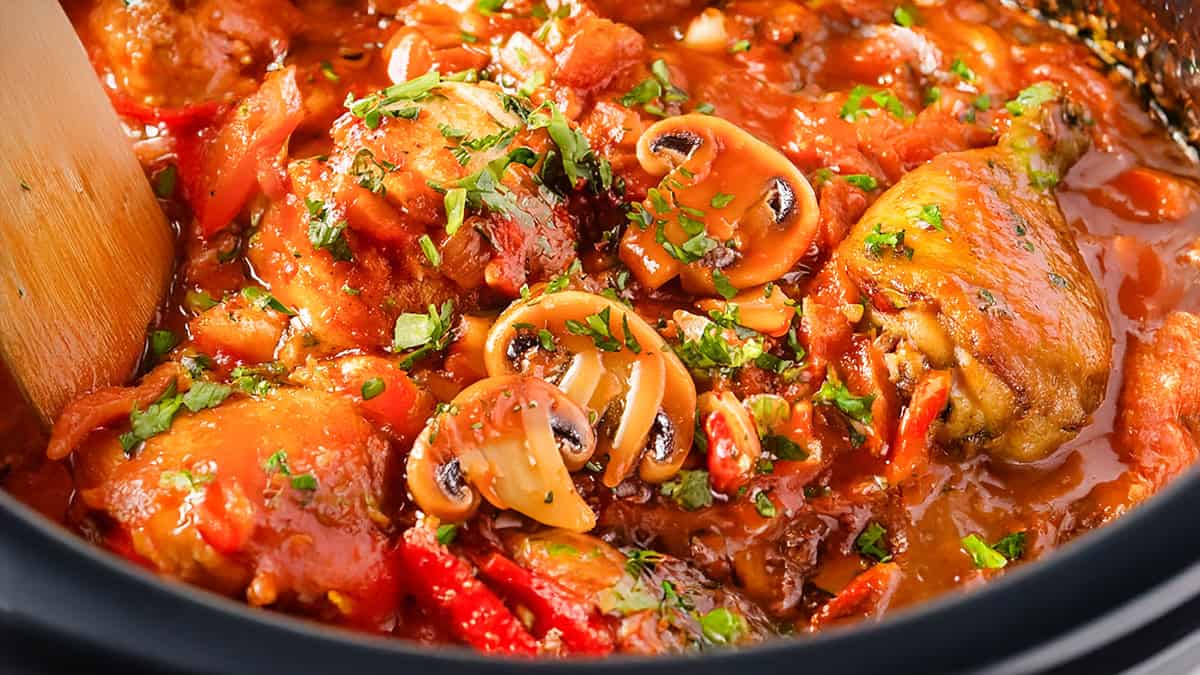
(85,251)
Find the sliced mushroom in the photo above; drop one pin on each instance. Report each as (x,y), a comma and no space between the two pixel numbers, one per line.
(512,440)
(608,360)
(728,202)
(733,445)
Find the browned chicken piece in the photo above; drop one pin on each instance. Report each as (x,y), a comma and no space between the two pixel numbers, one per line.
(276,498)
(197,51)
(970,260)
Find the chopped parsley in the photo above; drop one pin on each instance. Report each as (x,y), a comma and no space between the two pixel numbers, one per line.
(484,189)
(863,181)
(324,232)
(638,561)
(783,447)
(834,393)
(721,200)
(261,299)
(432,255)
(372,388)
(689,489)
(199,301)
(446,533)
(596,326)
(1031,98)
(764,505)
(711,350)
(723,285)
(904,16)
(256,380)
(423,333)
(877,241)
(983,556)
(329,73)
(656,91)
(930,216)
(872,543)
(164,182)
(370,172)
(853,108)
(578,161)
(184,480)
(204,395)
(277,463)
(546,340)
(162,341)
(396,101)
(154,420)
(1011,546)
(961,69)
(739,46)
(722,626)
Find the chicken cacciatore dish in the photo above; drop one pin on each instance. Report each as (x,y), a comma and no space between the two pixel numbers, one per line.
(584,327)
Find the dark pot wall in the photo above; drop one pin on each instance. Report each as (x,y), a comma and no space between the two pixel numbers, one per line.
(1104,585)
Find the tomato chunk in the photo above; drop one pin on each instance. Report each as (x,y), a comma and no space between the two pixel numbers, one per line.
(221,169)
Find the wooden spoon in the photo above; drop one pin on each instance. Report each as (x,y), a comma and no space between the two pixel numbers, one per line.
(85,251)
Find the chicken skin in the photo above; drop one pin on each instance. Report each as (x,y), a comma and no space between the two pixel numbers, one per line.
(970,260)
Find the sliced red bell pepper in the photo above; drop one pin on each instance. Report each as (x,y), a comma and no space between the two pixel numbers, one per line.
(910,452)
(583,630)
(728,467)
(445,584)
(222,169)
(176,118)
(868,594)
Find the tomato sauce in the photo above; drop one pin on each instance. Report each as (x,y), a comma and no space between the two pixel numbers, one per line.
(751,453)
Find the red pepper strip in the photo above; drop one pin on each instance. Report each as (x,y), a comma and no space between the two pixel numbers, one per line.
(728,466)
(911,451)
(445,584)
(187,117)
(583,631)
(867,595)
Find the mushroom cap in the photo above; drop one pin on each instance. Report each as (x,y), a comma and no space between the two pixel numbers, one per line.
(641,393)
(509,440)
(756,209)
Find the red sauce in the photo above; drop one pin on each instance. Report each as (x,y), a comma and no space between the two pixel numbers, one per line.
(243,103)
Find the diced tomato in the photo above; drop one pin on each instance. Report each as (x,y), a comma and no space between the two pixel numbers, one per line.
(399,404)
(868,595)
(728,466)
(1146,196)
(221,169)
(225,518)
(247,334)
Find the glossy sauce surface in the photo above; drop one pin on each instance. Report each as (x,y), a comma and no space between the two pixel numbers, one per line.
(785,73)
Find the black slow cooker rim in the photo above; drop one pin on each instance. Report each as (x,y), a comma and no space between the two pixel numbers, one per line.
(1090,591)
